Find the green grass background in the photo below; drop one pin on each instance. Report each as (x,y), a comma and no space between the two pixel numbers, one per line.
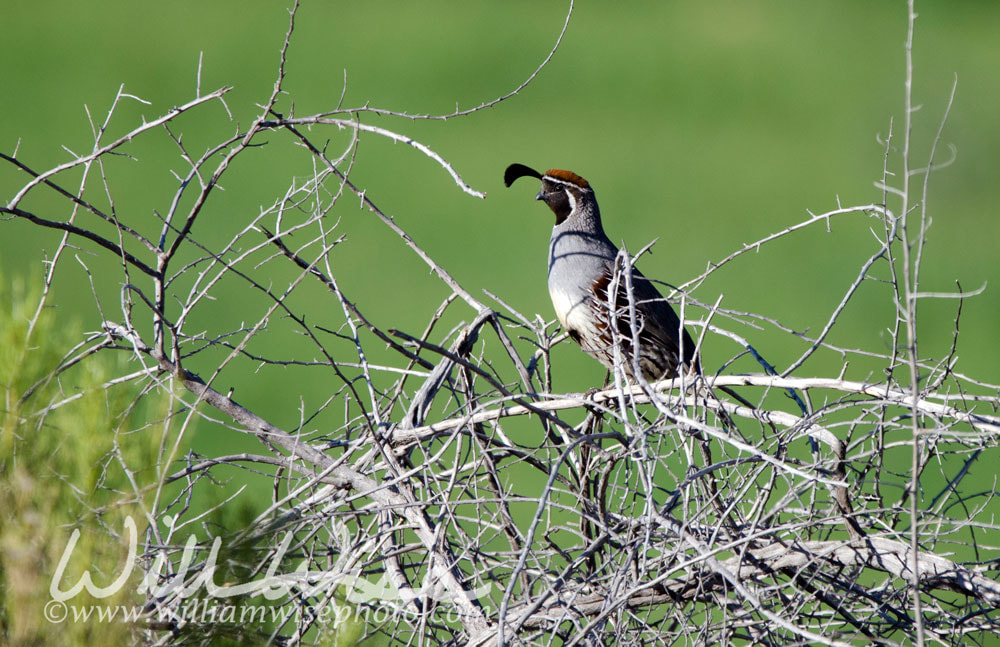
(704,124)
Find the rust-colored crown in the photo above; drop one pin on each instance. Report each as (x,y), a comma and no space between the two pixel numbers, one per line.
(568,176)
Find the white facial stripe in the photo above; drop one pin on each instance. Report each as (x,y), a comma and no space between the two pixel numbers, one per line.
(572,201)
(557,180)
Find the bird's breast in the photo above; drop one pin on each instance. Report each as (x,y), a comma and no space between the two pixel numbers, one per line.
(573,303)
(578,258)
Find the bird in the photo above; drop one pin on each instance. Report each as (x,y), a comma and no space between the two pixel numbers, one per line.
(581,268)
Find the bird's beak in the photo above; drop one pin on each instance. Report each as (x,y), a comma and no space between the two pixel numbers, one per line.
(540,196)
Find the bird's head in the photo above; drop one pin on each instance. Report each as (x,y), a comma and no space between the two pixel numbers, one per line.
(563,191)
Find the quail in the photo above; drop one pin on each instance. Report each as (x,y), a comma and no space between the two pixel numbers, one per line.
(582,267)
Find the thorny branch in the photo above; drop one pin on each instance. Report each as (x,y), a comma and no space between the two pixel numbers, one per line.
(441,467)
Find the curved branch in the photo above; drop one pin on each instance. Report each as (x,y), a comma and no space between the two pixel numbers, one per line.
(83,233)
(347,123)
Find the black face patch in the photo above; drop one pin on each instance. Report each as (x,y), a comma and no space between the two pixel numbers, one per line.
(554,194)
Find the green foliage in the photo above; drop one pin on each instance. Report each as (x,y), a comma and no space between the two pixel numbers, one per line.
(62,468)
(76,454)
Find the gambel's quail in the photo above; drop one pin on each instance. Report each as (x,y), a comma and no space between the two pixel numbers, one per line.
(581,268)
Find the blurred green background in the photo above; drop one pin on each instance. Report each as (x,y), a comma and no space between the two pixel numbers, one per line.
(704,124)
